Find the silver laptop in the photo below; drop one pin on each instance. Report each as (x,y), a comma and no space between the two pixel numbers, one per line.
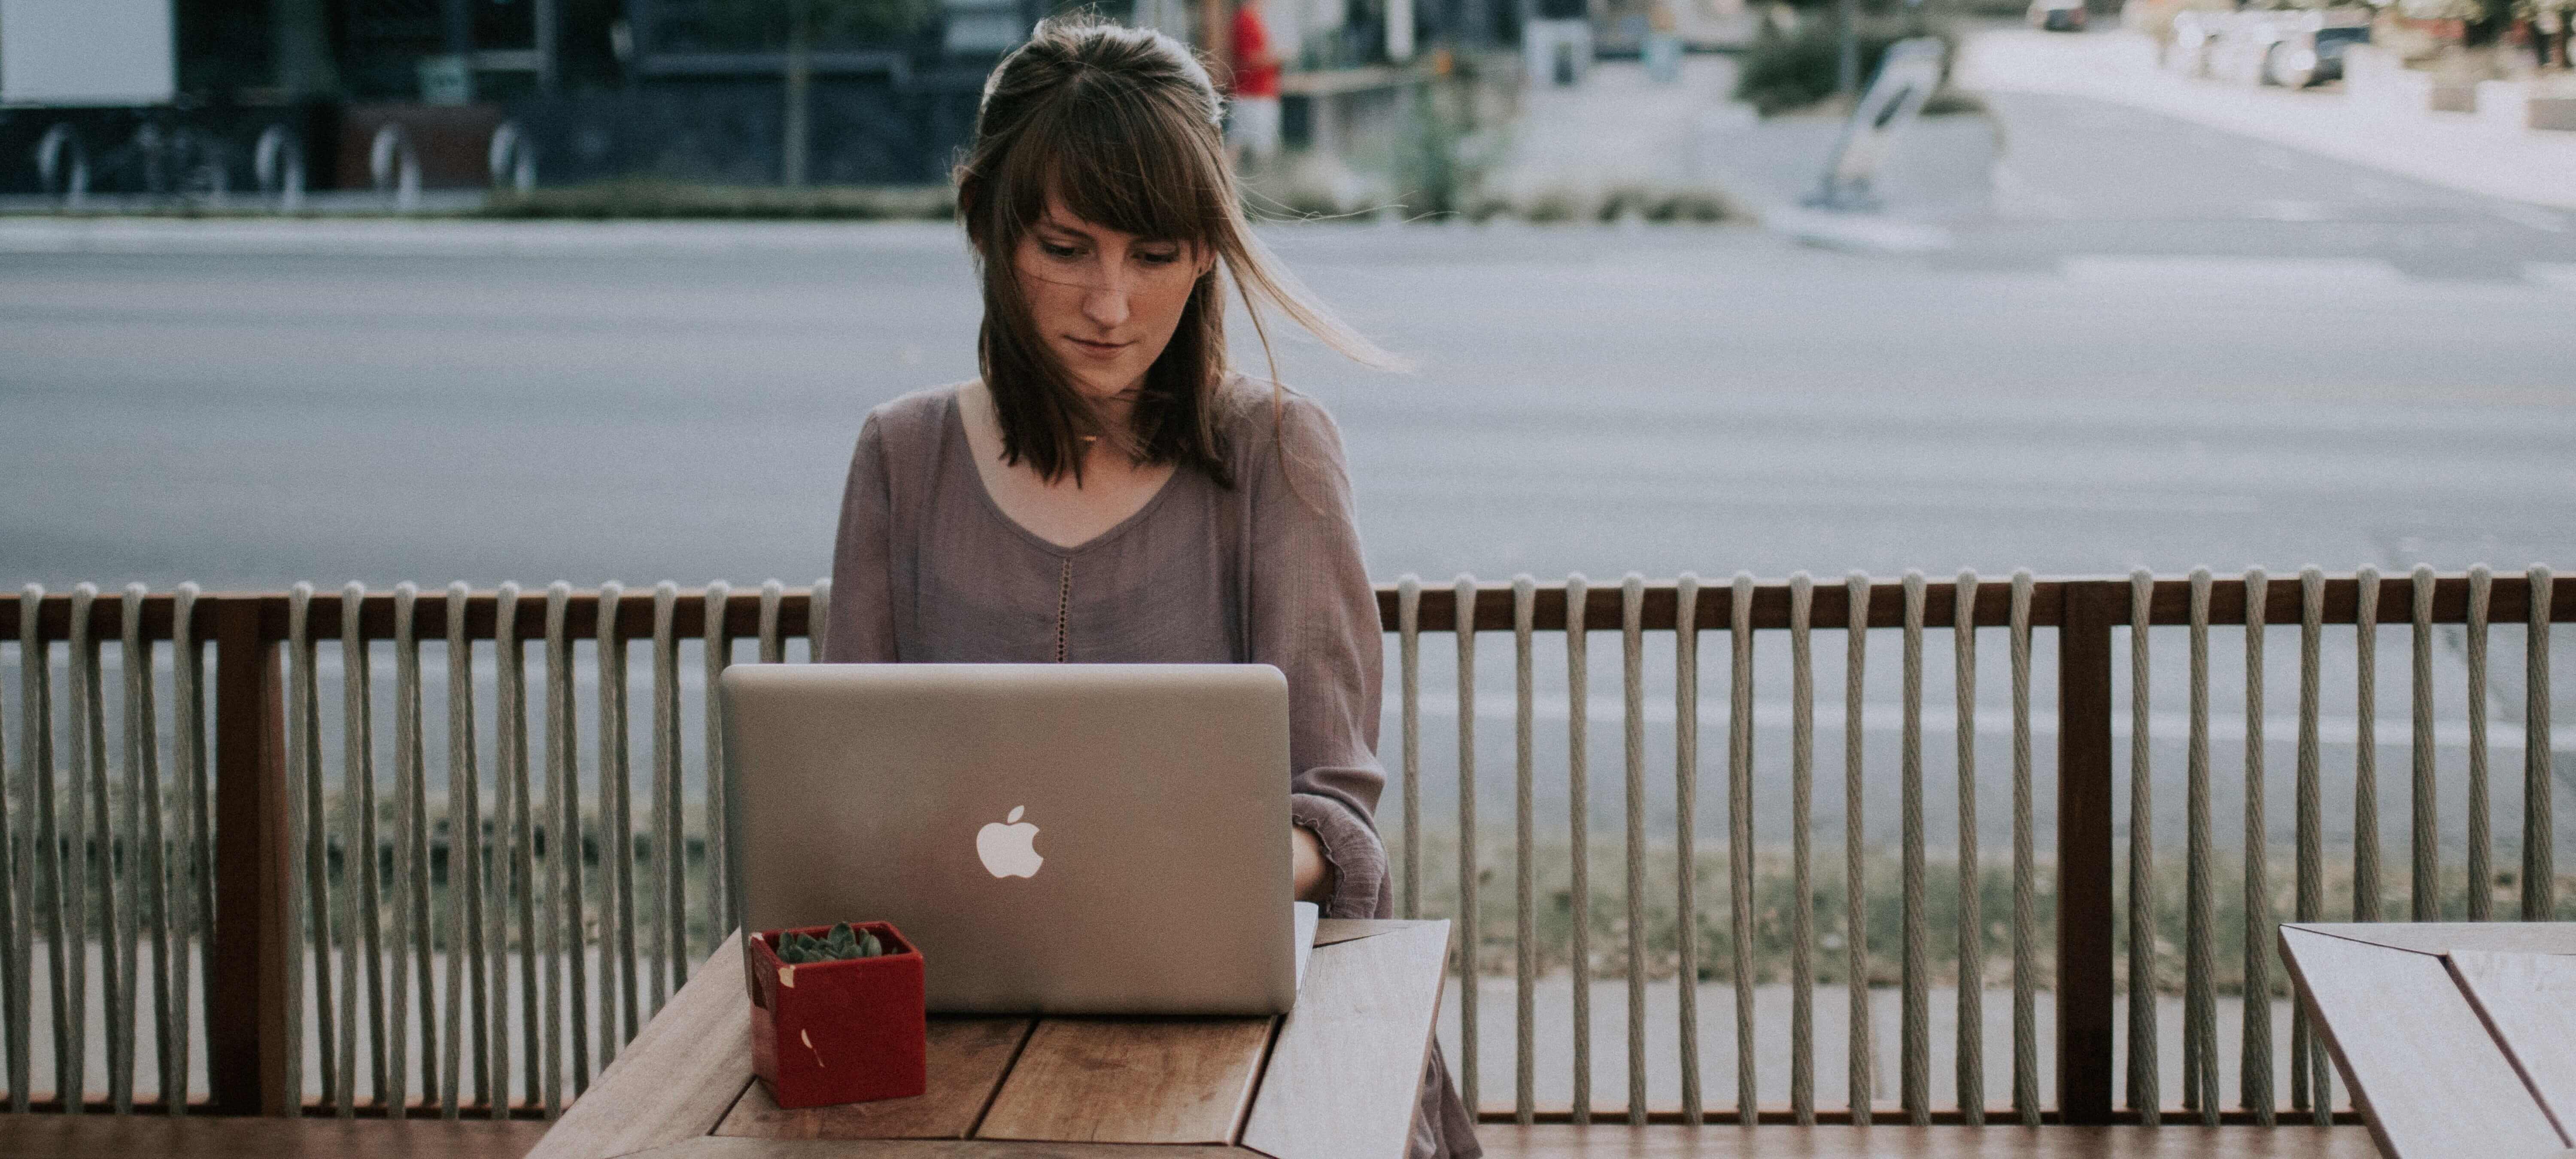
(1057,838)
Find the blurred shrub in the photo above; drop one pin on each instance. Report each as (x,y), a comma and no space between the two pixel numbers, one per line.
(1795,70)
(654,198)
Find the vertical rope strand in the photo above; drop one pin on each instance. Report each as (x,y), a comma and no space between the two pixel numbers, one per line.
(148,907)
(510,736)
(2365,748)
(143,776)
(720,885)
(413,937)
(818,619)
(1578,805)
(1470,931)
(117,864)
(773,597)
(357,780)
(2144,1090)
(617,1023)
(1861,1056)
(2481,864)
(1632,687)
(2424,901)
(1971,1060)
(306,905)
(443,1086)
(111,806)
(465,858)
(414,943)
(2539,859)
(193,877)
(2309,1074)
(1915,1075)
(2254,1073)
(493,868)
(567,997)
(357,769)
(1739,839)
(2026,1095)
(1802,905)
(369,884)
(1408,621)
(88,829)
(670,917)
(2200,1001)
(1686,835)
(1524,859)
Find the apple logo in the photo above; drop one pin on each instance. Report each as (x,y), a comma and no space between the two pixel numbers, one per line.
(1009,850)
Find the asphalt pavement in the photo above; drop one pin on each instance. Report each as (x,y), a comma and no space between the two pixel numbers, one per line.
(2159,376)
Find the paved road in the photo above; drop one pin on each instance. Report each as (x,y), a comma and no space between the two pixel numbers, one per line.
(638,404)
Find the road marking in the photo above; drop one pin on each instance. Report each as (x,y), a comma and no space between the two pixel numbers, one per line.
(2227,271)
(2559,274)
(2524,215)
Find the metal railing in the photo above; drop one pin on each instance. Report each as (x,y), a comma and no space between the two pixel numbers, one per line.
(509,934)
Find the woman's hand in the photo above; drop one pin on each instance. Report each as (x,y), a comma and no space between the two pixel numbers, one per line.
(1313,875)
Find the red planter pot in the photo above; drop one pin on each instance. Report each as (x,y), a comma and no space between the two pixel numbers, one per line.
(838,1032)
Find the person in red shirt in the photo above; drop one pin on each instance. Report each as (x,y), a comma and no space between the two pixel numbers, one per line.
(1253,122)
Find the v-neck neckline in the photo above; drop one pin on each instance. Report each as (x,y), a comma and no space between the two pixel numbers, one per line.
(975,474)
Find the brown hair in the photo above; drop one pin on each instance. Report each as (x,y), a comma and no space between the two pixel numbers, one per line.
(1119,126)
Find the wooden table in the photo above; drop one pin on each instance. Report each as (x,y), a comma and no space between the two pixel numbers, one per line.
(2458,1039)
(1337,1077)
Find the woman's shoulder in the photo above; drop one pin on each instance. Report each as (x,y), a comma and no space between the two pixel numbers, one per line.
(912,421)
(1259,414)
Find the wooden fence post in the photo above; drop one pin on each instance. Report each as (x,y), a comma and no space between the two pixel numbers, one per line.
(2086,1004)
(246,1049)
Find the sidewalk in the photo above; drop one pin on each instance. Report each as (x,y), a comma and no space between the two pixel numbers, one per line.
(1617,130)
(2447,149)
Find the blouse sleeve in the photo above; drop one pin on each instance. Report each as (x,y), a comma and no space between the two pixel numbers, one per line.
(1314,616)
(862,613)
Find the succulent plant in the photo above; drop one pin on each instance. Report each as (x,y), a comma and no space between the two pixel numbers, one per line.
(841,944)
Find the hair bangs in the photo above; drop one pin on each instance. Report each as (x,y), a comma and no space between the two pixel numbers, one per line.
(1113,159)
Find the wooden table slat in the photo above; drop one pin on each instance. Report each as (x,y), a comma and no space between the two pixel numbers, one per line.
(1131,1080)
(2530,1004)
(1336,1088)
(2421,1063)
(1335,931)
(728,1147)
(967,1056)
(2443,937)
(676,1080)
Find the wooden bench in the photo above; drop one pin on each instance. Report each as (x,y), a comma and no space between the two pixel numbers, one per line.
(208,1137)
(217,1137)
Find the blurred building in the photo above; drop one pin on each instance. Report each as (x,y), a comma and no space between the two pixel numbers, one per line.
(185,97)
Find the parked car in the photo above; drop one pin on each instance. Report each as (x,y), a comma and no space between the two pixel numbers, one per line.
(2311,55)
(2057,15)
(2292,49)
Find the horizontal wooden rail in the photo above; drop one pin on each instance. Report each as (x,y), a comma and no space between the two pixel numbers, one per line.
(2509,603)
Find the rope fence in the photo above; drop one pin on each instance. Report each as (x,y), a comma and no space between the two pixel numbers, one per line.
(251,901)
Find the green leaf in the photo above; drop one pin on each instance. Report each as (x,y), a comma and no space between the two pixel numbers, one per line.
(871,947)
(843,943)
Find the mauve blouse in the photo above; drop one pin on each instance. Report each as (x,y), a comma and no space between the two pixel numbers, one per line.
(928,569)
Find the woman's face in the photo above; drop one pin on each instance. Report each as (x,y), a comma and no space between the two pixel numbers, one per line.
(1106,302)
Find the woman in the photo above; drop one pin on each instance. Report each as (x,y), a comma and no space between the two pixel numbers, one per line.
(1109,491)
